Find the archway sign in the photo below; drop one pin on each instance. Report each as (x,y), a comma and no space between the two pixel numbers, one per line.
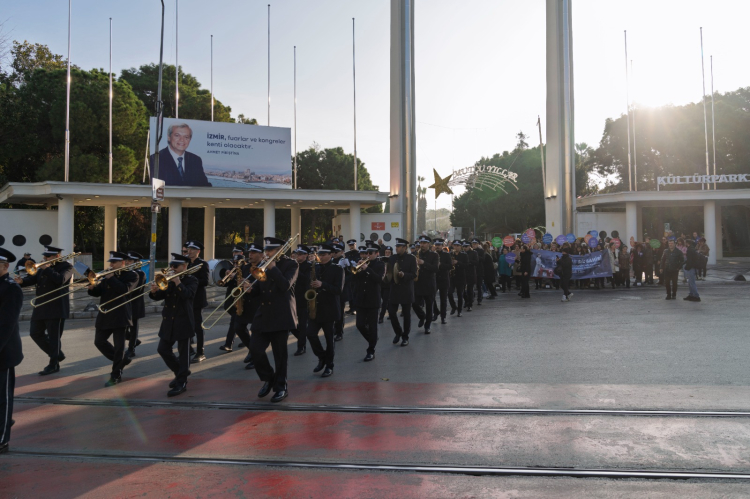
(482,177)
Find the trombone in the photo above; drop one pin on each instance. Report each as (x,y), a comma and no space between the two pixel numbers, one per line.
(32,268)
(258,273)
(232,273)
(161,280)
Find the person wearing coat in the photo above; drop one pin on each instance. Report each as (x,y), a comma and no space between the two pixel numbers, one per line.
(48,319)
(525,269)
(329,284)
(243,314)
(671,263)
(488,266)
(200,302)
(564,269)
(301,254)
(137,306)
(623,262)
(367,283)
(460,262)
(276,316)
(442,279)
(11,351)
(425,286)
(112,290)
(385,288)
(402,292)
(177,323)
(504,271)
(476,247)
(471,275)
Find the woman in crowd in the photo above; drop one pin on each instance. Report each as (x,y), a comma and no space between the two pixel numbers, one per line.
(504,270)
(638,263)
(525,270)
(704,250)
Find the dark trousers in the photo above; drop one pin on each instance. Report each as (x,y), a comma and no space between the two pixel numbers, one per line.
(114,352)
(200,334)
(385,294)
(393,314)
(470,293)
(671,280)
(180,366)
(525,286)
(313,328)
(50,342)
(505,284)
(302,319)
(649,271)
(565,285)
(423,308)
(480,291)
(259,342)
(7,388)
(241,330)
(133,335)
(459,290)
(230,332)
(490,283)
(367,325)
(443,292)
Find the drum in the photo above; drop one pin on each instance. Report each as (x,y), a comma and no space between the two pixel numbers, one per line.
(217,269)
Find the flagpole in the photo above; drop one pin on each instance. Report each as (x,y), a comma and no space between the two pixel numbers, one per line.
(354,81)
(635,150)
(176,62)
(269,65)
(713,116)
(295,116)
(110,100)
(67,107)
(212,77)
(627,95)
(705,119)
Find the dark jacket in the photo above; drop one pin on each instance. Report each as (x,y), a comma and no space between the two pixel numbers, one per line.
(672,260)
(119,285)
(471,270)
(250,300)
(442,278)
(694,259)
(648,255)
(328,302)
(138,306)
(302,284)
(403,291)
(11,300)
(623,259)
(488,264)
(177,314)
(480,262)
(278,309)
(459,276)
(201,275)
(427,285)
(193,167)
(386,283)
(525,261)
(368,285)
(564,267)
(46,280)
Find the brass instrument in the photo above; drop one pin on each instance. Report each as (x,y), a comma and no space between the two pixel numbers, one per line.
(32,268)
(161,280)
(419,257)
(357,268)
(454,256)
(312,296)
(238,278)
(259,272)
(232,273)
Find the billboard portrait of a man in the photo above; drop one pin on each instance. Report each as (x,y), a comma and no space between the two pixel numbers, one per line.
(177,166)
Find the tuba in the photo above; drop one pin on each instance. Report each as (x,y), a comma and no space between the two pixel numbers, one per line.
(311,295)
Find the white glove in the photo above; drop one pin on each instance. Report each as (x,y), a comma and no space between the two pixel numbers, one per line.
(344,263)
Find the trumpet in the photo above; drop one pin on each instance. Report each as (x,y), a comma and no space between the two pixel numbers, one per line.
(232,273)
(32,268)
(356,269)
(161,280)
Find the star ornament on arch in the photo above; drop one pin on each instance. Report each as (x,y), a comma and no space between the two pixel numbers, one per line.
(441,184)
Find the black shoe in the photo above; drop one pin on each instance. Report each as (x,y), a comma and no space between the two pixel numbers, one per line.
(380,321)
(668,297)
(50,369)
(199,357)
(4,448)
(279,396)
(453,311)
(435,317)
(240,345)
(443,321)
(328,372)
(112,381)
(421,322)
(320,366)
(459,315)
(178,389)
(405,342)
(369,357)
(126,361)
(225,348)
(130,353)
(427,331)
(468,309)
(12,422)
(173,383)
(350,312)
(696,298)
(397,339)
(479,303)
(137,343)
(300,351)
(688,298)
(61,357)
(248,358)
(265,390)
(492,297)
(338,337)
(249,366)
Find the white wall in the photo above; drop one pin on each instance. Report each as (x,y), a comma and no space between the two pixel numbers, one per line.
(604,221)
(31,225)
(340,226)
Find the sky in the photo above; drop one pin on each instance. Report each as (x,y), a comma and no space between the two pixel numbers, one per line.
(480,64)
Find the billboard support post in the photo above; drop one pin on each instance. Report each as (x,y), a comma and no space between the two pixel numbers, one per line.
(159,129)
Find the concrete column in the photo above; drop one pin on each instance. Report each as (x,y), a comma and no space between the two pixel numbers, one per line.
(65,225)
(710,229)
(175,226)
(209,232)
(355,218)
(639,222)
(718,249)
(631,222)
(296,223)
(110,229)
(269,219)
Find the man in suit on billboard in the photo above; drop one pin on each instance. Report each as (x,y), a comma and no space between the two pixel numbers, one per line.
(177,166)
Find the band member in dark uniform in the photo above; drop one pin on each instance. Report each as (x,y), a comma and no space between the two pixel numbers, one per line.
(328,283)
(302,254)
(137,306)
(50,316)
(250,300)
(476,247)
(489,273)
(115,322)
(460,263)
(276,316)
(352,256)
(238,255)
(471,275)
(425,285)
(200,302)
(368,281)
(402,289)
(442,278)
(177,322)
(11,353)
(342,261)
(385,289)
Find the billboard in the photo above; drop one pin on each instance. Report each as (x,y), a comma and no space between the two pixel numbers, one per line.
(214,154)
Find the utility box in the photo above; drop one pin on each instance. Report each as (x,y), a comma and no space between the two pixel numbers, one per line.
(373,226)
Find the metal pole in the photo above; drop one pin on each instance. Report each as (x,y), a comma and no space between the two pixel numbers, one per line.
(295,116)
(176,62)
(269,64)
(569,132)
(159,130)
(354,80)
(67,107)
(110,100)
(212,77)
(705,119)
(541,153)
(627,96)
(713,116)
(635,150)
